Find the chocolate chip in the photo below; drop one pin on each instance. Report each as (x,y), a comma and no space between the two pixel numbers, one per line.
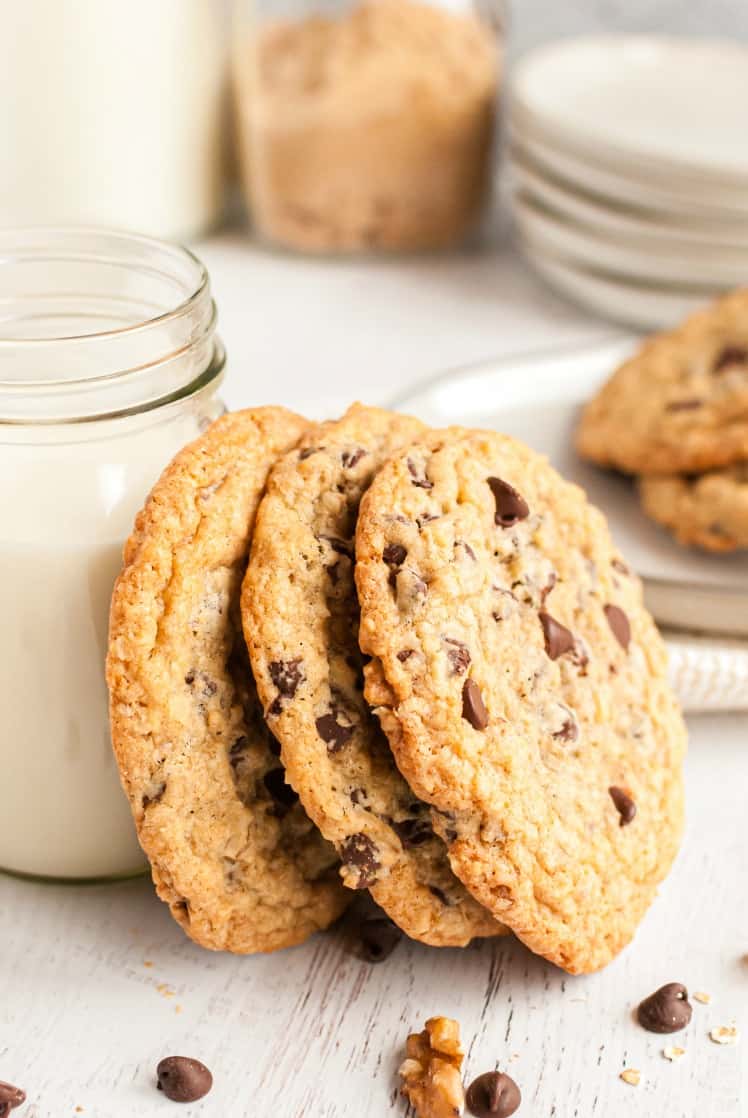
(153,796)
(493,1095)
(619,625)
(412,832)
(282,793)
(342,547)
(404,654)
(625,806)
(332,733)
(419,479)
(379,937)
(307,452)
(569,731)
(183,1079)
(458,655)
(208,686)
(558,639)
(684,405)
(10,1098)
(667,1010)
(730,355)
(473,708)
(510,505)
(425,518)
(359,852)
(351,458)
(286,675)
(394,555)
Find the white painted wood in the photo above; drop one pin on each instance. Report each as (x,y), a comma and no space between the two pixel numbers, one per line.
(313,1032)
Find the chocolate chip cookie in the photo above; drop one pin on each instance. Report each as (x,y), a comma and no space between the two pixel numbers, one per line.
(301,624)
(702,510)
(681,404)
(233,854)
(525,693)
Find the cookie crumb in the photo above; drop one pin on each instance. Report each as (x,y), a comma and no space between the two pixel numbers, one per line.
(147,962)
(724,1034)
(631,1076)
(432,1083)
(700,996)
(673,1053)
(165,990)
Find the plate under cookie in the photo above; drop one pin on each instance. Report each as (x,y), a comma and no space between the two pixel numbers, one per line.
(537,397)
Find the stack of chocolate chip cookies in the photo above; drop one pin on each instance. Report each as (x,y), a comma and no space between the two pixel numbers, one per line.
(366,655)
(677,414)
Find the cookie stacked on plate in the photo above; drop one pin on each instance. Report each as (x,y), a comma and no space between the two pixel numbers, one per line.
(677,414)
(367,655)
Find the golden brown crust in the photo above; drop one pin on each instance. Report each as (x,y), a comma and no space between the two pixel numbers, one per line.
(299,611)
(240,869)
(526,691)
(680,405)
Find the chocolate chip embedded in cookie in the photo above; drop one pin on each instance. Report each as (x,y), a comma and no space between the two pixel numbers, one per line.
(233,854)
(681,404)
(301,623)
(553,760)
(702,510)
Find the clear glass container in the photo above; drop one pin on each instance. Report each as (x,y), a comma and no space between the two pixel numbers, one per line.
(109,363)
(366,125)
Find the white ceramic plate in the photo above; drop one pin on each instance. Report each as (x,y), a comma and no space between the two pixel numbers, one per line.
(663,231)
(537,399)
(635,258)
(638,305)
(661,196)
(673,104)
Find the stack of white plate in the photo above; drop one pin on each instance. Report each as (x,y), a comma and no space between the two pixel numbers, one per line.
(629,157)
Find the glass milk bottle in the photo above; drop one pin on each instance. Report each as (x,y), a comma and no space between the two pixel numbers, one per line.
(109,363)
(366,125)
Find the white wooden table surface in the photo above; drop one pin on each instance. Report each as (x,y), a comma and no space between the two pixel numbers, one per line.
(97,983)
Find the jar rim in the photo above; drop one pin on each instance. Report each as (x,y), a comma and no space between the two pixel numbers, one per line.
(98,322)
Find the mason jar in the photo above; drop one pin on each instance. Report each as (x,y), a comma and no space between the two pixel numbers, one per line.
(367,125)
(109,364)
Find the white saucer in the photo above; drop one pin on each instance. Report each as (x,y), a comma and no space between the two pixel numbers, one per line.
(662,231)
(537,399)
(653,104)
(641,306)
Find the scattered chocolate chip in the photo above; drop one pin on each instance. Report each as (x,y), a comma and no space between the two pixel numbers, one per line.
(208,686)
(286,675)
(569,731)
(625,806)
(619,625)
(419,480)
(394,555)
(458,655)
(10,1098)
(412,832)
(558,639)
(379,937)
(151,798)
(473,708)
(342,547)
(510,505)
(333,733)
(189,679)
(667,1010)
(425,518)
(730,355)
(282,793)
(404,654)
(351,458)
(183,1079)
(683,405)
(307,452)
(359,853)
(493,1095)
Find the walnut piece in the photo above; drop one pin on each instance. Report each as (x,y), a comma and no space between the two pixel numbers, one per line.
(431,1077)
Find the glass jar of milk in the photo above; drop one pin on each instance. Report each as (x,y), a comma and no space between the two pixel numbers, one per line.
(109,363)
